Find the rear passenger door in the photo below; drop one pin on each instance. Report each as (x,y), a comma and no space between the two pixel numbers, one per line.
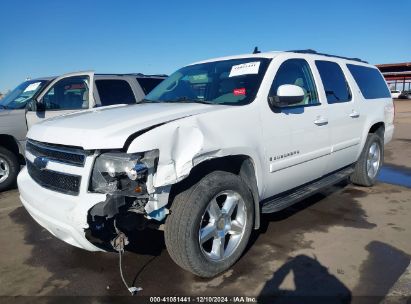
(296,138)
(345,120)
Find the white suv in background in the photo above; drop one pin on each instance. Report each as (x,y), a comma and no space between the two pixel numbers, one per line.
(38,99)
(211,148)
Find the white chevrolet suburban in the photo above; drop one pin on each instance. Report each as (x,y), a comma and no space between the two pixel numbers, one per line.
(211,148)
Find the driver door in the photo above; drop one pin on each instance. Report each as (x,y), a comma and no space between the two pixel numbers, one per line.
(66,94)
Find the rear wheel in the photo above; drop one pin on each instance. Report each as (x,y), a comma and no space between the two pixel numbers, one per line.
(210,224)
(369,164)
(9,168)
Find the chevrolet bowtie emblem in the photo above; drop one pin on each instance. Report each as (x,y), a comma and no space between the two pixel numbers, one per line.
(40,163)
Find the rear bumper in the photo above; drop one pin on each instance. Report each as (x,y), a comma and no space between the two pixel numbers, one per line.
(64,216)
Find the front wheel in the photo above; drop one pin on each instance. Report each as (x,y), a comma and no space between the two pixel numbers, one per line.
(369,164)
(210,224)
(9,168)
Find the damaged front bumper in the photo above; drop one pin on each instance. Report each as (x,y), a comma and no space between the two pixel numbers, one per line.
(62,215)
(90,220)
(116,194)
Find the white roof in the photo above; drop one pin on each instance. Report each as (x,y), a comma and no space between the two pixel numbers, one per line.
(274,54)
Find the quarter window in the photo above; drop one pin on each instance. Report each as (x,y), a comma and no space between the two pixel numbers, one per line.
(334,82)
(370,81)
(114,91)
(296,72)
(68,94)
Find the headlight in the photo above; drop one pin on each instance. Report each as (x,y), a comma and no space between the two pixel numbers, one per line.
(118,171)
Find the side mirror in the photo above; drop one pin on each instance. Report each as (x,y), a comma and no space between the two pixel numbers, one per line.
(31,105)
(39,105)
(287,94)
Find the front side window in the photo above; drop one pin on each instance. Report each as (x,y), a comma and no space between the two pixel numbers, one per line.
(70,93)
(334,82)
(296,72)
(370,81)
(227,82)
(114,91)
(21,95)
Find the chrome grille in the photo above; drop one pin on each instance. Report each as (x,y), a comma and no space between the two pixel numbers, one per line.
(40,154)
(61,154)
(57,181)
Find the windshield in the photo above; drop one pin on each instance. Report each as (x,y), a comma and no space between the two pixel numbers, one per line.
(18,98)
(228,82)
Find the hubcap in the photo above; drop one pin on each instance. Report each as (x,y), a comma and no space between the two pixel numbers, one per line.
(373,160)
(4,170)
(222,225)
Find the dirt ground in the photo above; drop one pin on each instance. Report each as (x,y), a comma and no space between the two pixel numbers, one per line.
(349,241)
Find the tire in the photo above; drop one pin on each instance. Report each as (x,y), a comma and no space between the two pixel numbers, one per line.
(9,168)
(361,175)
(192,210)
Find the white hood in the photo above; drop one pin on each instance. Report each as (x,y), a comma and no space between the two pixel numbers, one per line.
(109,127)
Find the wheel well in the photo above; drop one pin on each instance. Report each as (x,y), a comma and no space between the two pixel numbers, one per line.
(378,128)
(8,142)
(241,165)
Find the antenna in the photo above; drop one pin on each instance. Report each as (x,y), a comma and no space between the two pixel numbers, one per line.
(256,50)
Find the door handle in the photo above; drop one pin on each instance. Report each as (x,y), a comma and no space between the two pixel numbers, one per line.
(354,114)
(321,121)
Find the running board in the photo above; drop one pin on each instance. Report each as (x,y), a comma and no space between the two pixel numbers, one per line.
(288,198)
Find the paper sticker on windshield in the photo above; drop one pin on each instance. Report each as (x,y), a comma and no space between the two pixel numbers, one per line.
(32,87)
(245,69)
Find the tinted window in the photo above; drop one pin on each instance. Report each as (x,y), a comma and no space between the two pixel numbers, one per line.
(334,82)
(68,94)
(147,84)
(370,82)
(296,72)
(114,92)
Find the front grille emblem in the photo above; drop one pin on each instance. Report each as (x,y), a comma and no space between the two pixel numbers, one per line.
(41,163)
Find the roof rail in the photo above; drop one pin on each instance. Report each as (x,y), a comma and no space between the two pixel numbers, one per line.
(148,75)
(310,51)
(132,74)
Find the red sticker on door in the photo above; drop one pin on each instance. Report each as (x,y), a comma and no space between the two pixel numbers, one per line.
(240,91)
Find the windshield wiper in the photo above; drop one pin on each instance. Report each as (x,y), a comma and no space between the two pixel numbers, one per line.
(149,101)
(3,106)
(185,99)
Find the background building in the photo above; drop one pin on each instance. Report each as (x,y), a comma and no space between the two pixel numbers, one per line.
(397,75)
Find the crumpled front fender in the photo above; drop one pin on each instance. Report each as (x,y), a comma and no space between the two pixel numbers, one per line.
(184,143)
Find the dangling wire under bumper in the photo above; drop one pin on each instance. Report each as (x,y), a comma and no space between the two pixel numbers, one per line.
(118,243)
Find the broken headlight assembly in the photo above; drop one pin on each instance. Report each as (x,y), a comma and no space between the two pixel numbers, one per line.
(119,172)
(127,181)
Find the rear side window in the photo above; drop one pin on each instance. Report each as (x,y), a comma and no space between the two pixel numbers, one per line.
(370,82)
(335,84)
(115,91)
(147,84)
